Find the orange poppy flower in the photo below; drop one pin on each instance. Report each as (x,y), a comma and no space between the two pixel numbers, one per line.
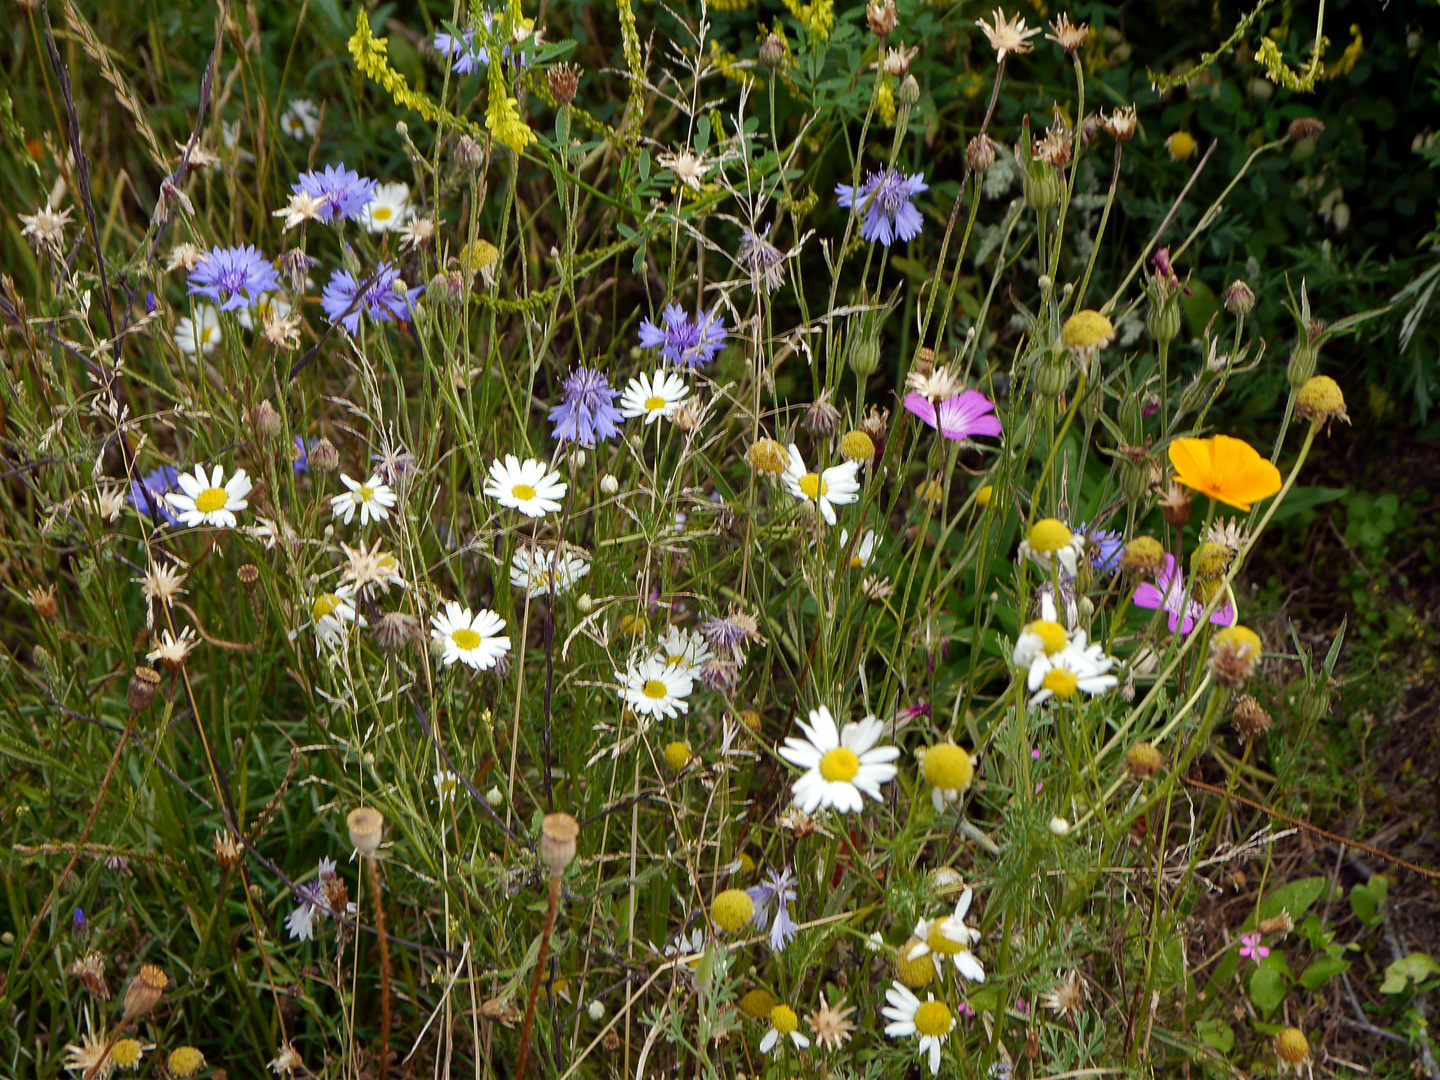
(1226,469)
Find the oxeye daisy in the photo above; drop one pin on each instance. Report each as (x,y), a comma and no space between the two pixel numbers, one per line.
(210,500)
(1050,541)
(836,486)
(865,547)
(474,640)
(373,499)
(783,1021)
(200,333)
(653,397)
(950,938)
(684,650)
(949,770)
(332,613)
(543,572)
(526,486)
(1045,636)
(840,764)
(655,688)
(1061,675)
(929,1021)
(300,119)
(388,208)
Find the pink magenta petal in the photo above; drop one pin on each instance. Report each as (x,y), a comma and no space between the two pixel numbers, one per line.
(1224,615)
(921,406)
(1148,596)
(965,414)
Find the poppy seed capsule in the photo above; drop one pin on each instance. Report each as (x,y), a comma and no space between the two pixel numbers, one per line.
(141,691)
(366,825)
(1143,760)
(558,833)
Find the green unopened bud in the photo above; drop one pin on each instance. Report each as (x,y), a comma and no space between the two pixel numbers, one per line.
(1163,318)
(1052,376)
(1042,186)
(1134,479)
(1302,363)
(1315,698)
(909,92)
(864,356)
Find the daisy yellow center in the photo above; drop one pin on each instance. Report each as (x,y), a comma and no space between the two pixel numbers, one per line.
(126,1053)
(855,562)
(1051,634)
(206,333)
(949,767)
(933,1018)
(654,689)
(1061,683)
(811,486)
(783,1019)
(1048,535)
(365,493)
(211,499)
(654,403)
(523,491)
(941,944)
(324,604)
(840,764)
(382,213)
(467,639)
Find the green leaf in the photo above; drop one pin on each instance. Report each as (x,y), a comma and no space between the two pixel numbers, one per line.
(1216,1033)
(1368,901)
(1302,499)
(1295,898)
(1322,970)
(1267,989)
(1415,967)
(702,134)
(644,165)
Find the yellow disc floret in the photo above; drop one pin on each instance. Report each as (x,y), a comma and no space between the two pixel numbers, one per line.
(1049,535)
(185,1061)
(1291,1045)
(1181,145)
(1234,652)
(939,943)
(757,1003)
(1143,556)
(1086,331)
(947,766)
(1061,682)
(126,1052)
(857,446)
(933,1018)
(211,499)
(783,1019)
(913,973)
(732,909)
(1051,634)
(677,755)
(840,764)
(983,495)
(1143,760)
(1321,400)
(767,456)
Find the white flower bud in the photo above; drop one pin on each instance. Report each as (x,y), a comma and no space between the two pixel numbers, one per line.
(1059,827)
(596,1010)
(609,485)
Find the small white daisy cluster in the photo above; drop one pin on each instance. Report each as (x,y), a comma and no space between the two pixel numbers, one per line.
(1057,661)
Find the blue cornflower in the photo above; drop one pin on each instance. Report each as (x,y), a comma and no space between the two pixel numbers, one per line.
(683,341)
(586,412)
(157,481)
(79,925)
(1104,546)
(465,55)
(342,192)
(385,298)
(234,277)
(301,455)
(885,200)
(776,889)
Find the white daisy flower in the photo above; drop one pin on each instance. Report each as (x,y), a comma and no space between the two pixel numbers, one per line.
(446,784)
(865,547)
(951,938)
(1050,541)
(684,650)
(472,639)
(654,688)
(199,334)
(783,1021)
(373,499)
(209,500)
(1043,637)
(842,764)
(388,209)
(834,487)
(269,308)
(931,1021)
(526,486)
(653,396)
(542,573)
(1061,675)
(300,119)
(332,613)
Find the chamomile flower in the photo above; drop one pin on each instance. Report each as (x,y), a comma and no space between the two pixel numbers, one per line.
(268,308)
(653,396)
(210,500)
(198,335)
(841,764)
(654,688)
(950,938)
(545,572)
(446,785)
(301,119)
(1051,541)
(836,486)
(373,499)
(474,640)
(526,486)
(388,208)
(333,612)
(1046,636)
(929,1021)
(1068,671)
(684,650)
(865,547)
(783,1021)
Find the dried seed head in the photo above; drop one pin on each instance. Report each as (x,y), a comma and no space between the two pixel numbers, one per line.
(396,629)
(924,362)
(1291,1046)
(1239,298)
(1175,506)
(1234,652)
(249,574)
(564,80)
(767,456)
(1320,401)
(1143,760)
(42,599)
(468,154)
(875,424)
(980,153)
(144,991)
(751,720)
(366,825)
(687,418)
(1276,924)
(1067,35)
(1250,718)
(822,418)
(185,1061)
(90,970)
(1306,127)
(324,457)
(881,16)
(1120,125)
(772,53)
(141,691)
(558,833)
(266,421)
(228,851)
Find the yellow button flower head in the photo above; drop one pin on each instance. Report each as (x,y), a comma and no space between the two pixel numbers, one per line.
(1291,1046)
(1228,470)
(732,909)
(917,972)
(857,446)
(767,456)
(677,755)
(185,1061)
(1234,652)
(1143,556)
(757,1004)
(1085,333)
(1321,400)
(984,494)
(1181,145)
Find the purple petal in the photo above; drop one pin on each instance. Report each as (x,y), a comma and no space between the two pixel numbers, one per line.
(965,414)
(922,407)
(1147,596)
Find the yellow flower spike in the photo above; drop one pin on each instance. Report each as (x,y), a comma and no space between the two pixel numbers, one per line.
(1229,470)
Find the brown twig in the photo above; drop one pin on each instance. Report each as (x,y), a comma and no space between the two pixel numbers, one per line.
(384,968)
(539,972)
(1334,838)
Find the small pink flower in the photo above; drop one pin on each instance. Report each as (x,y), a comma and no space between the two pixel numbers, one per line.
(1035,754)
(1250,947)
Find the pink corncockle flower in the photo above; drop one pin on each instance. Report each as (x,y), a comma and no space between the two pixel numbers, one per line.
(958,417)
(1035,754)
(964,1009)
(1168,592)
(1250,947)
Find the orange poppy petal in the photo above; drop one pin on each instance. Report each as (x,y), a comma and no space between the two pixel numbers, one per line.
(1258,480)
(1191,458)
